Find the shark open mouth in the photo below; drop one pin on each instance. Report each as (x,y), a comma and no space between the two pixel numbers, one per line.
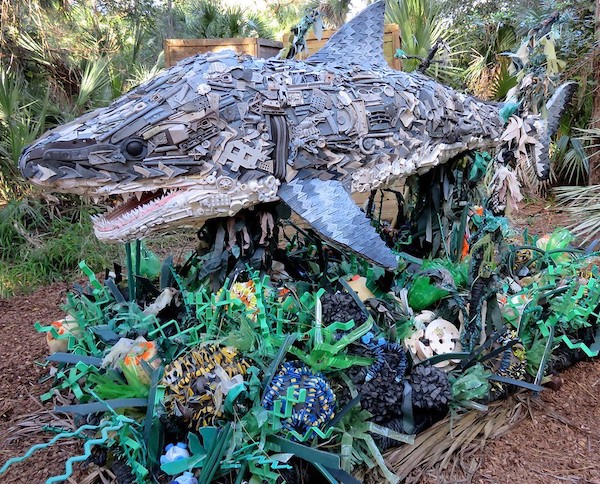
(136,210)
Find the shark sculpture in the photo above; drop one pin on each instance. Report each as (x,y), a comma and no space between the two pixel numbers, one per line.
(221,132)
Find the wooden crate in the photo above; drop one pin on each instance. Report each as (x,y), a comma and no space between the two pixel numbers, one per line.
(177,49)
(391,42)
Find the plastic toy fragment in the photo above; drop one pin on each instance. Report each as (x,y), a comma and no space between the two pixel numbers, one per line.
(185,478)
(174,452)
(199,382)
(60,333)
(359,285)
(301,398)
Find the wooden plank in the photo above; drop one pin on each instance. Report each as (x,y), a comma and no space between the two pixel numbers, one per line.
(391,42)
(178,49)
(396,44)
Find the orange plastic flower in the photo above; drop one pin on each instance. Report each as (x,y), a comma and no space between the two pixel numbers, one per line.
(465,247)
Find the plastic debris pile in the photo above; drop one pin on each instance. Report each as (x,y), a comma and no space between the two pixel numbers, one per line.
(186,384)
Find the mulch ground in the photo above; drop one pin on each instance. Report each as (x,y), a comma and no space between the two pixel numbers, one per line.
(558,442)
(21,349)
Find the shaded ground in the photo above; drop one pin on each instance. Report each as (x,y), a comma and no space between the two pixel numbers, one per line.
(540,217)
(559,441)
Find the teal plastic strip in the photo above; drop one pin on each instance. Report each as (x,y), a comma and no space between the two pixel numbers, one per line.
(138,262)
(520,383)
(87,452)
(86,408)
(35,448)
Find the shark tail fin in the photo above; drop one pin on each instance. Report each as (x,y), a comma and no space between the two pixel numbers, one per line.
(555,108)
(359,41)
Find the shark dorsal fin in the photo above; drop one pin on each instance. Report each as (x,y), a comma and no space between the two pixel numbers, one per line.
(360,41)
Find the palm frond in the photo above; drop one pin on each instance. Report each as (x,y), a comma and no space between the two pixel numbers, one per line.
(95,80)
(570,160)
(257,25)
(422,26)
(582,203)
(503,82)
(141,73)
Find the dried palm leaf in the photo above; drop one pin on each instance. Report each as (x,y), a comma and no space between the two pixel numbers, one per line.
(454,444)
(32,424)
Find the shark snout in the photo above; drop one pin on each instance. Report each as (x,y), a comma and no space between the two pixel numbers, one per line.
(56,162)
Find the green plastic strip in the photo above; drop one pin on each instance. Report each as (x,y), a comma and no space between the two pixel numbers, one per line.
(266,383)
(138,263)
(408,419)
(386,432)
(214,457)
(73,359)
(309,454)
(153,434)
(130,277)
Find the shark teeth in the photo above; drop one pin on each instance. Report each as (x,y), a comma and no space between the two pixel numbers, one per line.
(135,208)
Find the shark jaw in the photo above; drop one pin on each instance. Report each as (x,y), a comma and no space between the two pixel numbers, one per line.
(141,213)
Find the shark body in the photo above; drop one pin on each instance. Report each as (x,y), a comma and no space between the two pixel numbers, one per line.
(221,132)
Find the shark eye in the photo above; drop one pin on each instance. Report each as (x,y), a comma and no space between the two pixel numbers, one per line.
(134,149)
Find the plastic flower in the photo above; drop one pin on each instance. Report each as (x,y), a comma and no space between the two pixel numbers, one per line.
(245,292)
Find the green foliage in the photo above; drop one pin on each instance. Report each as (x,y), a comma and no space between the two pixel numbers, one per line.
(421,25)
(22,119)
(583,203)
(38,244)
(570,162)
(333,12)
(206,19)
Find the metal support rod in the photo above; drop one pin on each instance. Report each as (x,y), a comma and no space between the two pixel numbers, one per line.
(130,276)
(138,263)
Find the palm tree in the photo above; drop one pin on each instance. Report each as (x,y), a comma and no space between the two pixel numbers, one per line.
(421,27)
(207,19)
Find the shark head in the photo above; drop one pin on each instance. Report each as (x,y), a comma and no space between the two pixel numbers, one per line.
(167,150)
(221,132)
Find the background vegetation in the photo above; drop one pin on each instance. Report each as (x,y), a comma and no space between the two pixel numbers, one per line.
(61,58)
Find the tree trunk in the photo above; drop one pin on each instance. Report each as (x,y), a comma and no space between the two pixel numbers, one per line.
(595,121)
(170,19)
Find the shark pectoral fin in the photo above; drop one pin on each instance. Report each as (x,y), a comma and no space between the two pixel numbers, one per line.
(330,210)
